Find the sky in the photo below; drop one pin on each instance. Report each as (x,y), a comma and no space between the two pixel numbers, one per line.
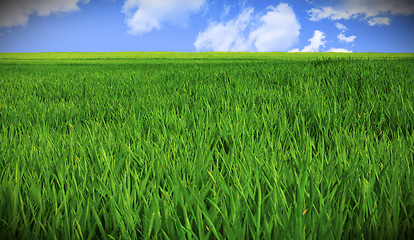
(207,25)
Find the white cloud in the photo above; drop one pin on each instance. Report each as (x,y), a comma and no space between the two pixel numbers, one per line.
(339,50)
(379,21)
(226,36)
(226,10)
(294,50)
(143,16)
(277,30)
(343,38)
(317,14)
(341,27)
(317,41)
(366,9)
(17,12)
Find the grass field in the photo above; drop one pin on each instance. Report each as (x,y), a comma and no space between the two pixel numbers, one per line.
(206,146)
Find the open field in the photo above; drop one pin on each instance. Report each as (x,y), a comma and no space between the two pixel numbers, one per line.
(205,146)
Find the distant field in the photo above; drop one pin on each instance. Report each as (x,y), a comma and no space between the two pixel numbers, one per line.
(206,146)
(109,56)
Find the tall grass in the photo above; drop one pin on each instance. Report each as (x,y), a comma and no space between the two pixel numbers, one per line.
(232,146)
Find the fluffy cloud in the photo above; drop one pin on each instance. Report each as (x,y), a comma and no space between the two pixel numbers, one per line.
(17,12)
(367,9)
(277,30)
(339,50)
(341,27)
(143,16)
(343,38)
(317,41)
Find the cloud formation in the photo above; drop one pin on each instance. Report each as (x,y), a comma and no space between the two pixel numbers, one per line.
(228,36)
(343,50)
(317,41)
(366,9)
(343,38)
(17,12)
(341,27)
(277,30)
(379,21)
(143,16)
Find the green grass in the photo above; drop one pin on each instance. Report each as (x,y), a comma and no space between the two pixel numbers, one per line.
(205,146)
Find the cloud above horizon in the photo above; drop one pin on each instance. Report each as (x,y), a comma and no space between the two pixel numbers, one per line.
(343,38)
(17,12)
(142,16)
(371,11)
(339,50)
(317,42)
(228,36)
(277,30)
(206,25)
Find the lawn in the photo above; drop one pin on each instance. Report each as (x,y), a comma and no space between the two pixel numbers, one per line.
(206,146)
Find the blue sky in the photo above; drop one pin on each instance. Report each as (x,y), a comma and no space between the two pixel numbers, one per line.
(206,25)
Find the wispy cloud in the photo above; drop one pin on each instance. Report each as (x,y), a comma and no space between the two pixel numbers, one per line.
(379,21)
(277,30)
(17,12)
(226,10)
(143,16)
(227,36)
(341,27)
(368,10)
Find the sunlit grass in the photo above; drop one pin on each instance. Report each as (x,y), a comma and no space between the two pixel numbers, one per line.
(205,146)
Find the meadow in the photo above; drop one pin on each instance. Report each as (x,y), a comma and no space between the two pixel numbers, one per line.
(206,146)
